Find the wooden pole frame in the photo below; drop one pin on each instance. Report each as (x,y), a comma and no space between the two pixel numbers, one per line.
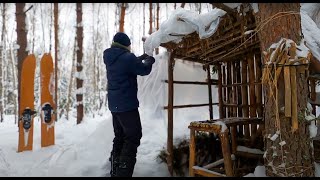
(170,113)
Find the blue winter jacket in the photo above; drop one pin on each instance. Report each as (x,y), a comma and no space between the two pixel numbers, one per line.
(122,70)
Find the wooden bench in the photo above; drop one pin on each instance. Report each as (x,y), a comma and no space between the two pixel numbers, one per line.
(221,128)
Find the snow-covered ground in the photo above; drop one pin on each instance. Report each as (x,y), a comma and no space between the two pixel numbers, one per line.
(83,150)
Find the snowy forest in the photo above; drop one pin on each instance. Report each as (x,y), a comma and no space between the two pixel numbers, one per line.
(216,102)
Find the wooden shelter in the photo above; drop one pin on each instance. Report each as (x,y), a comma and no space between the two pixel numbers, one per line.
(234,50)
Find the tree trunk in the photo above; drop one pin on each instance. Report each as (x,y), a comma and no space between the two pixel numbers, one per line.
(144,19)
(79,95)
(295,157)
(2,52)
(71,79)
(21,40)
(94,43)
(14,68)
(150,18)
(182,5)
(123,13)
(158,9)
(56,43)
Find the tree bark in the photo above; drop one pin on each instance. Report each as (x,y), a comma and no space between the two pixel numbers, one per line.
(79,95)
(150,18)
(122,15)
(56,43)
(158,9)
(2,53)
(144,18)
(21,40)
(295,158)
(71,79)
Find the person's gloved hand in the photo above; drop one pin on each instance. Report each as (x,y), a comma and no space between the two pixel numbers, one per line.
(143,56)
(149,60)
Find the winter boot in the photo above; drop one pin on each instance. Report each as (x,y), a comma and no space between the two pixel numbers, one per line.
(114,164)
(126,166)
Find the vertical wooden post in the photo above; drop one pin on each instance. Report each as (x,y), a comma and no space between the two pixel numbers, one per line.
(192,152)
(224,89)
(234,88)
(239,96)
(226,153)
(170,113)
(253,112)
(229,92)
(233,129)
(258,86)
(221,112)
(211,135)
(259,91)
(209,91)
(244,94)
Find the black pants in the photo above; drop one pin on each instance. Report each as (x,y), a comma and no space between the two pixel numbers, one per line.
(128,132)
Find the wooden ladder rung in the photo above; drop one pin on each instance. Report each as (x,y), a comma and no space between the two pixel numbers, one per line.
(206,172)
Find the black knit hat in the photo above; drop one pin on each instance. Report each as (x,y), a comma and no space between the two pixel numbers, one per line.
(122,38)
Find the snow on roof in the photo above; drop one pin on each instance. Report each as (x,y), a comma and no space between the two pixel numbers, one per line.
(311,34)
(183,22)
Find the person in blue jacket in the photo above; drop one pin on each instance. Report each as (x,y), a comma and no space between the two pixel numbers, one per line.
(122,69)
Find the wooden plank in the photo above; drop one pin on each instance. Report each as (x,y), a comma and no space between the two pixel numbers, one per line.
(211,129)
(205,172)
(249,155)
(214,164)
(287,86)
(192,150)
(294,110)
(226,152)
(170,114)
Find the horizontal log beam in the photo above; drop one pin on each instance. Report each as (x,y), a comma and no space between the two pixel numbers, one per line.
(205,172)
(240,84)
(213,82)
(243,105)
(190,105)
(248,155)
